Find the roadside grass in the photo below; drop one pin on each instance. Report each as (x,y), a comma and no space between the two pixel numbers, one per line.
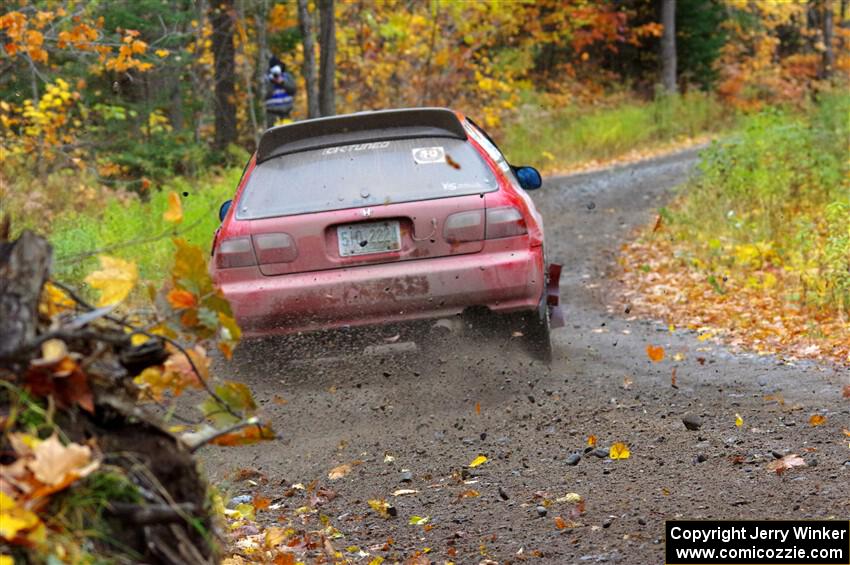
(757,246)
(559,137)
(136,230)
(776,195)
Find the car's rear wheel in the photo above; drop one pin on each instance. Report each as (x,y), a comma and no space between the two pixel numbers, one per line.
(536,334)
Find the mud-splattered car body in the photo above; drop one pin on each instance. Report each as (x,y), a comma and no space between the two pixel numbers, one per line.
(375,218)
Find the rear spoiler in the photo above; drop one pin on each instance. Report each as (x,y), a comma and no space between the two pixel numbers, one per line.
(361,127)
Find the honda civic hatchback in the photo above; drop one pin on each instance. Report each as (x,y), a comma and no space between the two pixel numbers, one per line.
(384,217)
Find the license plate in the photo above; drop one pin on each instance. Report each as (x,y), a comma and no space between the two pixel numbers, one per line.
(366,238)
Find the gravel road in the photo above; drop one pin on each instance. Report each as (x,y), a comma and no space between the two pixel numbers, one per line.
(415,421)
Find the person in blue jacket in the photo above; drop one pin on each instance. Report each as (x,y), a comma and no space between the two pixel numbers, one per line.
(281,92)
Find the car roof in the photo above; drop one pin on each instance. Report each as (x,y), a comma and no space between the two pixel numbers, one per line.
(361,127)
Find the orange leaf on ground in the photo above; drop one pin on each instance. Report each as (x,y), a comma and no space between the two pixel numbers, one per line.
(655,353)
(478,408)
(591,441)
(181,299)
(817,419)
(260,502)
(250,434)
(560,523)
(846,392)
(673,379)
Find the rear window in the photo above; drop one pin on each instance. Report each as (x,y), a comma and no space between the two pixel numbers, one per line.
(365,174)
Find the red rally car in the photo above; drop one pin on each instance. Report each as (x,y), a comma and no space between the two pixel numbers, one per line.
(383,217)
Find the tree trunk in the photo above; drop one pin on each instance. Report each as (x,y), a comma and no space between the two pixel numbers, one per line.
(24,266)
(221,16)
(828,54)
(327,43)
(668,45)
(248,78)
(262,57)
(308,69)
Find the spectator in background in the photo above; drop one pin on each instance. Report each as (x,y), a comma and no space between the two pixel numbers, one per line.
(281,92)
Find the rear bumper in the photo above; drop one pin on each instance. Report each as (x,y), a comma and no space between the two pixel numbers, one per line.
(501,278)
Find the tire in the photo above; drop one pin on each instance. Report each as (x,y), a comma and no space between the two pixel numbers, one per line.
(536,336)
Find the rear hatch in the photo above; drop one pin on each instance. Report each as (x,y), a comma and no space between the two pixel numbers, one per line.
(367,203)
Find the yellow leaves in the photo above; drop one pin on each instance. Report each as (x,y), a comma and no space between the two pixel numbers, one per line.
(114,280)
(162,53)
(652,29)
(570,498)
(19,525)
(176,375)
(190,268)
(619,450)
(754,255)
(158,122)
(655,353)
(280,18)
(154,382)
(739,421)
(54,301)
(817,420)
(274,536)
(481,459)
(381,507)
(418,520)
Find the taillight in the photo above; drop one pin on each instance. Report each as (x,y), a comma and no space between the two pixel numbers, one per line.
(464,226)
(505,222)
(275,248)
(235,252)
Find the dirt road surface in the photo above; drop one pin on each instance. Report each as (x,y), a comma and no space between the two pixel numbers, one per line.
(420,411)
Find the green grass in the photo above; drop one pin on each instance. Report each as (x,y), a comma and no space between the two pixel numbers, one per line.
(119,229)
(776,195)
(559,137)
